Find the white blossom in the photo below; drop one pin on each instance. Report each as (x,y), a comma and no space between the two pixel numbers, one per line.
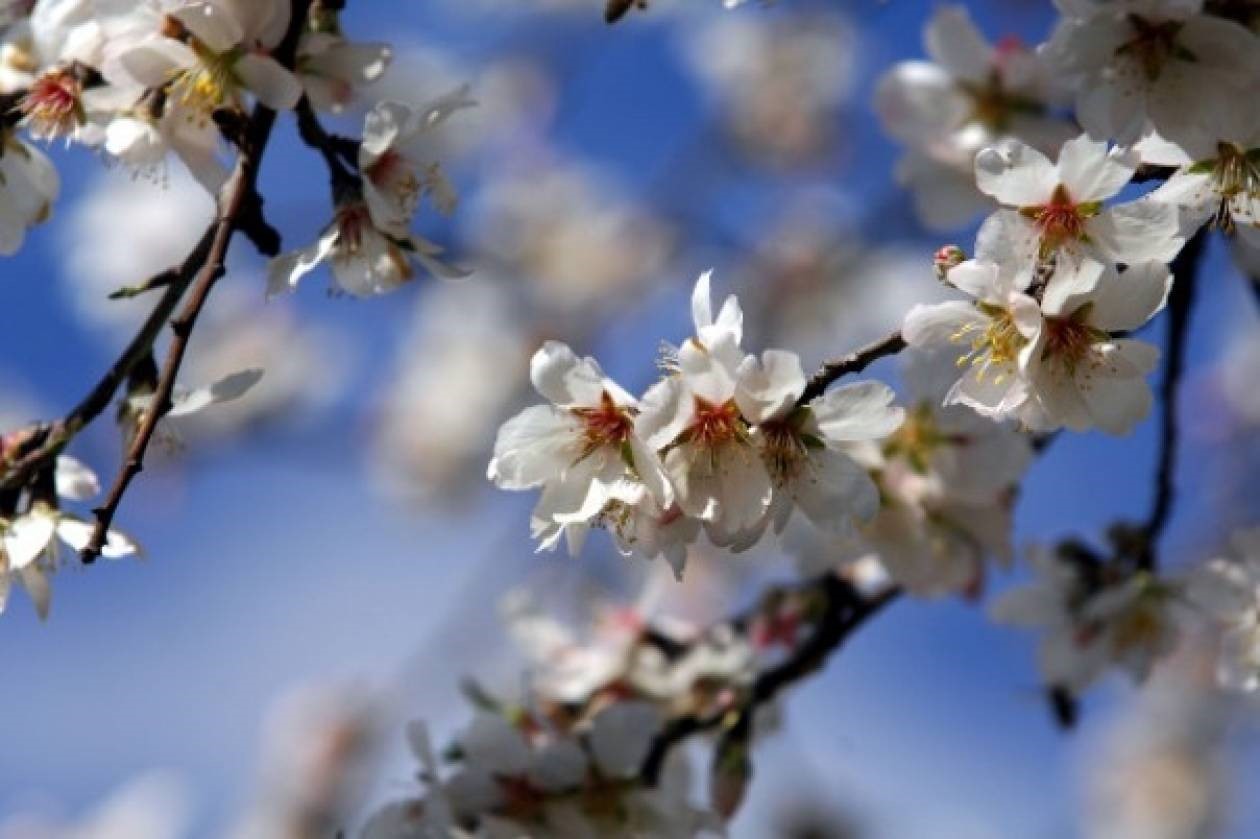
(1228,590)
(1138,64)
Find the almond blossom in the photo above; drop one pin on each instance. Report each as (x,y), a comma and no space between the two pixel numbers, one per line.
(947,479)
(1093,617)
(1228,590)
(30,543)
(1217,177)
(970,95)
(206,54)
(365,260)
(693,417)
(397,168)
(28,186)
(1142,64)
(1082,377)
(992,336)
(331,68)
(583,449)
(803,446)
(1058,208)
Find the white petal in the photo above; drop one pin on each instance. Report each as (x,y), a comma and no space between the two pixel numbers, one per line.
(1016,175)
(75,480)
(494,744)
(1072,283)
(28,536)
(287,270)
(833,490)
(1091,172)
(856,411)
(953,42)
(769,387)
(1139,231)
(1125,302)
(534,446)
(77,533)
(227,389)
(937,325)
(563,378)
(275,87)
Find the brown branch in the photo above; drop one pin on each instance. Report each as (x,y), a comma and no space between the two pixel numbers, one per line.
(844,610)
(234,213)
(855,362)
(336,150)
(1185,270)
(56,435)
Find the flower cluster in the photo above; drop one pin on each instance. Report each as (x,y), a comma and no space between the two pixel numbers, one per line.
(726,442)
(1040,341)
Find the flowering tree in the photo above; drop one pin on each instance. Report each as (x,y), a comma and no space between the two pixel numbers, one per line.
(1103,162)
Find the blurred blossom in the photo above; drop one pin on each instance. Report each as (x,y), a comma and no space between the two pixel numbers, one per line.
(152,806)
(574,236)
(451,390)
(305,366)
(824,293)
(317,758)
(1239,371)
(123,230)
(781,82)
(1162,773)
(515,96)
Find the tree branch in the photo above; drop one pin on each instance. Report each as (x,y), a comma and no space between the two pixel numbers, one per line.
(236,199)
(844,610)
(855,362)
(1185,270)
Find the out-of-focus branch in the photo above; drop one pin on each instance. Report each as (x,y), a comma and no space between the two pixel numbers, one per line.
(844,610)
(235,213)
(1185,270)
(854,362)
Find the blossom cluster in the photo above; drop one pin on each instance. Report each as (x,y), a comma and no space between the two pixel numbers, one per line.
(140,82)
(726,442)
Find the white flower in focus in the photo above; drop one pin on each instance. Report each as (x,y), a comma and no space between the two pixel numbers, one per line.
(693,417)
(994,333)
(1137,64)
(802,446)
(1228,590)
(1081,376)
(28,186)
(582,449)
(1057,208)
(397,166)
(1092,617)
(206,54)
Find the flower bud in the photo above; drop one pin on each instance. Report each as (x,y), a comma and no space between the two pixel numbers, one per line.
(945,258)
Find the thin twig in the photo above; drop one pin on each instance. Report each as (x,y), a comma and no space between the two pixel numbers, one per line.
(336,150)
(1185,270)
(235,199)
(844,610)
(58,434)
(855,362)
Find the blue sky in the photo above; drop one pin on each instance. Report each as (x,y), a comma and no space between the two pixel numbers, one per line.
(273,562)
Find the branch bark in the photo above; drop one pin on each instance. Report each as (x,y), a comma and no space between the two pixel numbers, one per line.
(854,362)
(238,200)
(1185,270)
(845,609)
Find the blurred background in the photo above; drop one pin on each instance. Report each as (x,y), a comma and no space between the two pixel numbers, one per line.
(324,558)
